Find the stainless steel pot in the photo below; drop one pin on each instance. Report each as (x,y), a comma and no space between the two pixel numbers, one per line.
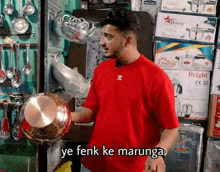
(196,33)
(187,62)
(199,5)
(45,118)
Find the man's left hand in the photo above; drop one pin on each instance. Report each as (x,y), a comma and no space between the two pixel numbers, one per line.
(155,165)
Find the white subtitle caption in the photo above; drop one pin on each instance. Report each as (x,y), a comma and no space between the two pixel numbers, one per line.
(154,153)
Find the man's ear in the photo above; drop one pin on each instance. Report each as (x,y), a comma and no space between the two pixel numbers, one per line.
(129,40)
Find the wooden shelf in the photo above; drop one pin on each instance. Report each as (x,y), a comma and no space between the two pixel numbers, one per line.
(21,45)
(9,104)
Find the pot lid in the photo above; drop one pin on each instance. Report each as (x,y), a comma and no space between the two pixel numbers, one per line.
(198,2)
(197,29)
(40,111)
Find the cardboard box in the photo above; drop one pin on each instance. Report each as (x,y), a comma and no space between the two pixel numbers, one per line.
(191,91)
(214,117)
(215,85)
(190,6)
(179,27)
(183,56)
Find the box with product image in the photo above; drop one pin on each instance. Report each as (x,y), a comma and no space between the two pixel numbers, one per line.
(215,85)
(183,56)
(214,117)
(180,27)
(191,91)
(201,7)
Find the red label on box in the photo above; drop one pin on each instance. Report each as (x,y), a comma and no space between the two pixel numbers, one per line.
(216,131)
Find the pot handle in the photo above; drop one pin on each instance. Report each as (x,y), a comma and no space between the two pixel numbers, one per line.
(199,56)
(187,29)
(181,89)
(210,30)
(177,57)
(189,2)
(211,3)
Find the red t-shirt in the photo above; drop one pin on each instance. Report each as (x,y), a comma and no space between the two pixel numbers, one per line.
(132,104)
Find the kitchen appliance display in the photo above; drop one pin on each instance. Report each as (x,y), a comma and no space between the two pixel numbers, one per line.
(215,85)
(184,56)
(186,152)
(178,89)
(196,33)
(204,7)
(191,28)
(192,104)
(187,109)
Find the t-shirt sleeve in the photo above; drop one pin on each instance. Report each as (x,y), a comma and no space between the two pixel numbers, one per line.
(92,100)
(163,103)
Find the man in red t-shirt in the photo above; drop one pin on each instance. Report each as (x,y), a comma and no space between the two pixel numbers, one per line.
(131,101)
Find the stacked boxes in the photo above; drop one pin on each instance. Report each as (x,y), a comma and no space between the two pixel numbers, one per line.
(184,48)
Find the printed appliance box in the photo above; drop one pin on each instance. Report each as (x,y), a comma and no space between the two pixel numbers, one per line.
(191,91)
(181,27)
(214,117)
(151,7)
(186,153)
(212,156)
(190,6)
(184,56)
(215,85)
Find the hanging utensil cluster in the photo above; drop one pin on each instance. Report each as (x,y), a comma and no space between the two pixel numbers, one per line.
(19,24)
(14,72)
(10,129)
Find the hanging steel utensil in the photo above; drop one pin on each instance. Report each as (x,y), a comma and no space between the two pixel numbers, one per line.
(28,8)
(2,70)
(11,71)
(27,67)
(16,129)
(8,9)
(19,24)
(5,133)
(1,17)
(16,79)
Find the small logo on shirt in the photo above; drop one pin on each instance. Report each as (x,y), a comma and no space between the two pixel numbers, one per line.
(119,78)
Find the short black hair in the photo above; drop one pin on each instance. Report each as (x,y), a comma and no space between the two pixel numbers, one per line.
(125,20)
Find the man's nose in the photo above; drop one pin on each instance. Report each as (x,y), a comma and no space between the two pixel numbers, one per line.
(101,42)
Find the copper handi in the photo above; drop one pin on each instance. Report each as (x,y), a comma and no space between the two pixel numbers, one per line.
(45,118)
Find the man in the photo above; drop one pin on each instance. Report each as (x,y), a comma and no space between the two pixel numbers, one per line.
(131,101)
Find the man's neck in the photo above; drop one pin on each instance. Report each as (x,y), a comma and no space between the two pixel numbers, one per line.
(128,57)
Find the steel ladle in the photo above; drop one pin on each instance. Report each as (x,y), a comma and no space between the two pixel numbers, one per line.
(16,79)
(1,17)
(2,70)
(19,24)
(28,8)
(27,67)
(11,71)
(8,9)
(16,130)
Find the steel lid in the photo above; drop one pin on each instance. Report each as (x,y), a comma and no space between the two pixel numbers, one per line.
(40,111)
(198,2)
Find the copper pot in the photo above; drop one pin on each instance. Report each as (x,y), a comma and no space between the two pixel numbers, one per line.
(45,118)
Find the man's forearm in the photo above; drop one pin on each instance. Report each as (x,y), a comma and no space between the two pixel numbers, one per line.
(168,137)
(84,116)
